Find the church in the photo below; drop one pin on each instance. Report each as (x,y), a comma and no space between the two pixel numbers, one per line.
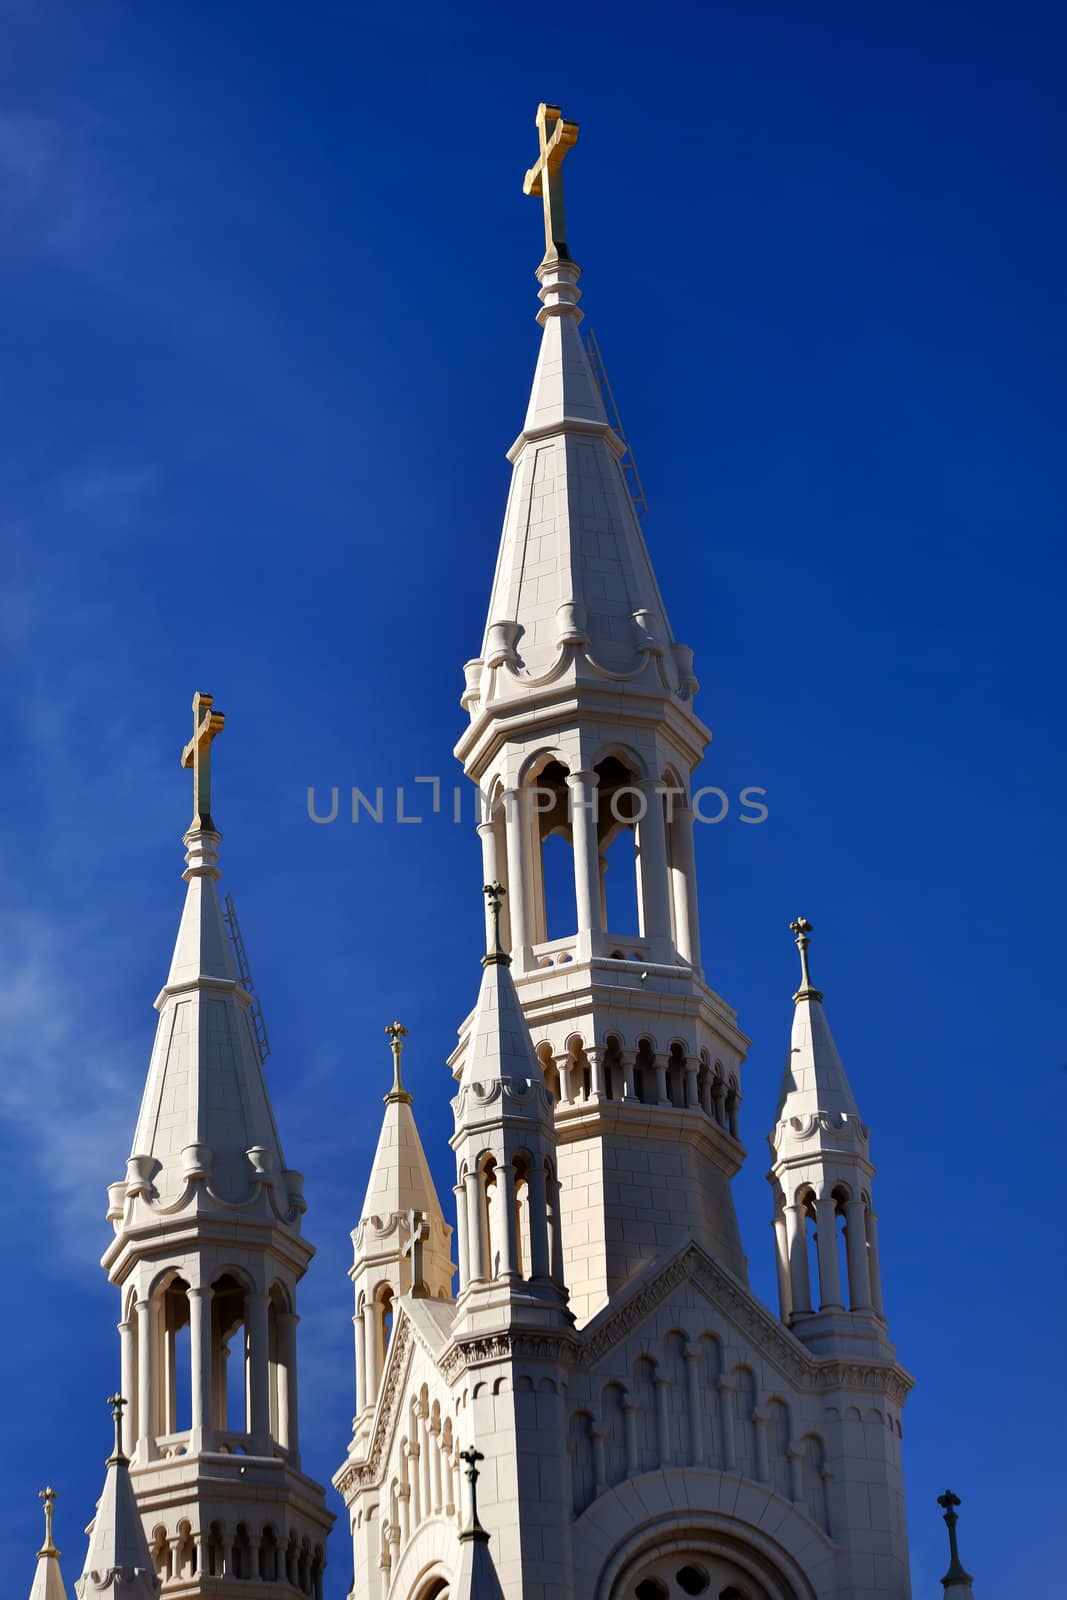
(565,1387)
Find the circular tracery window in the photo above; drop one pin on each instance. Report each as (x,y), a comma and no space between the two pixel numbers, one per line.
(676,1575)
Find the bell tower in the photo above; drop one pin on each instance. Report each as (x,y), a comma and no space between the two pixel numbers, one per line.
(207,1257)
(583,741)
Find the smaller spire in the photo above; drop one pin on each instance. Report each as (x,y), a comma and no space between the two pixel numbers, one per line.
(957,1578)
(397,1095)
(801,928)
(496,956)
(473,1528)
(118,1562)
(48,1580)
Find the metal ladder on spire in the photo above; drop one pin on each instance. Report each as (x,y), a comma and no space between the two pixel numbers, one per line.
(627,462)
(256,1025)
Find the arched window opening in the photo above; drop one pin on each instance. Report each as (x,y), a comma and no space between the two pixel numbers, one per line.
(385,1318)
(676,1076)
(614,1081)
(550,1070)
(554,909)
(647,1430)
(718,1095)
(213,1552)
(814,1478)
(269,1556)
(618,806)
(229,1343)
(177,1376)
(704,1084)
(840,1195)
(580,1445)
(492,1200)
(523,1249)
(242,1553)
(733,1106)
(437,1589)
(693,1580)
(613,1415)
(185,1552)
(160,1552)
(778,1446)
(806,1206)
(744,1422)
(581,1074)
(645,1073)
(651,1589)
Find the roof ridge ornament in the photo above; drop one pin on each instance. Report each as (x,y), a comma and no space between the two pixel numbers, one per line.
(397,1095)
(545,177)
(118,1405)
(207,725)
(496,956)
(49,1496)
(800,927)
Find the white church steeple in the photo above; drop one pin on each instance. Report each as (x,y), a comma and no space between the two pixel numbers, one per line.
(582,729)
(821,1176)
(118,1563)
(402,1243)
(47,1578)
(207,1256)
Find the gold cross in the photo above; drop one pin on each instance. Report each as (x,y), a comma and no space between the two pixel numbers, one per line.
(49,1497)
(207,724)
(546,178)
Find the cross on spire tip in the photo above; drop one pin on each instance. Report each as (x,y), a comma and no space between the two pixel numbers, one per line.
(207,725)
(495,955)
(545,179)
(397,1094)
(801,930)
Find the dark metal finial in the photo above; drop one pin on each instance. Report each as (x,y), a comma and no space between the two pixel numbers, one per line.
(496,955)
(956,1573)
(397,1034)
(473,1529)
(118,1406)
(801,928)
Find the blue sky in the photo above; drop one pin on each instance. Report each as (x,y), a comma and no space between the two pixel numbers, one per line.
(267,299)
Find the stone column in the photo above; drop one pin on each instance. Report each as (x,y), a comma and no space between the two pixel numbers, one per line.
(796,1474)
(718,1099)
(404,1498)
(258,1364)
(595,1057)
(583,806)
(227,1554)
(490,870)
(629,1413)
(726,1417)
(600,1467)
(477,1243)
(435,1441)
(566,1086)
(874,1265)
(684,875)
(288,1418)
(509,1253)
(201,1364)
(427,1466)
(127,1382)
(797,1246)
(518,911)
(359,1326)
(663,1097)
(826,1241)
(460,1193)
(537,1193)
(628,1090)
(692,1093)
(694,1360)
(859,1277)
(663,1433)
(558,1273)
(146,1394)
(763,1465)
(781,1250)
(652,860)
(733,1112)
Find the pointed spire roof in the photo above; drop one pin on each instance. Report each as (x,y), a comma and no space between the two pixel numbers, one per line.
(205,1085)
(814,1082)
(476,1577)
(499,1044)
(573,569)
(118,1562)
(47,1579)
(400,1179)
(957,1580)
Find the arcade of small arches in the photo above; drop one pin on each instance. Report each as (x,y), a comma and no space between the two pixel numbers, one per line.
(427,1484)
(589,811)
(209,1366)
(269,1554)
(830,1237)
(683,1408)
(644,1076)
(508,1221)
